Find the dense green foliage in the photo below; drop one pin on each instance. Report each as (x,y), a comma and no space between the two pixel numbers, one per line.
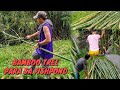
(22,23)
(99,67)
(101,20)
(24,51)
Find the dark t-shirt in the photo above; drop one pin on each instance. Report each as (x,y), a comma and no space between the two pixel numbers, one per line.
(81,64)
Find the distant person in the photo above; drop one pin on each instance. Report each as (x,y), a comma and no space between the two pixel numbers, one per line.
(114,58)
(109,50)
(109,54)
(93,41)
(45,37)
(82,65)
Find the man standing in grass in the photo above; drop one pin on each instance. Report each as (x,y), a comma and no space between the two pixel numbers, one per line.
(93,41)
(82,65)
(45,37)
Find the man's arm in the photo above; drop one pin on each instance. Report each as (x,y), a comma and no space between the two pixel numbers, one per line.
(33,35)
(87,39)
(86,73)
(47,36)
(104,49)
(103,32)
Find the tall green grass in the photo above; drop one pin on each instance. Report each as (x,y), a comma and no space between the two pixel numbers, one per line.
(24,51)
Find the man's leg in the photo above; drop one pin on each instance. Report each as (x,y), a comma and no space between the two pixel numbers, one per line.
(44,66)
(77,76)
(35,56)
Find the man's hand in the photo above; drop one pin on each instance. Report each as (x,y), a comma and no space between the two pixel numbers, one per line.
(36,45)
(87,78)
(28,36)
(87,75)
(33,35)
(103,31)
(104,47)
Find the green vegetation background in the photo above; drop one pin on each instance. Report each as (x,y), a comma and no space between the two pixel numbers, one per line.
(24,51)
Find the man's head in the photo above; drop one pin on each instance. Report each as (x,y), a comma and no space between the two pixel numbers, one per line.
(40,17)
(87,56)
(94,31)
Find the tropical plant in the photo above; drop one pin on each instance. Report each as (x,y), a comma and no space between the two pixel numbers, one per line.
(101,20)
(21,22)
(98,67)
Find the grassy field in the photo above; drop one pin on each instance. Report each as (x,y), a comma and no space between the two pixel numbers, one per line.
(24,51)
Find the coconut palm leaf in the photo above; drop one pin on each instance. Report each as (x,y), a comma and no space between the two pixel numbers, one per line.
(99,68)
(104,69)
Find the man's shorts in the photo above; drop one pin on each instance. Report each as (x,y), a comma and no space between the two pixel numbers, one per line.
(35,55)
(93,53)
